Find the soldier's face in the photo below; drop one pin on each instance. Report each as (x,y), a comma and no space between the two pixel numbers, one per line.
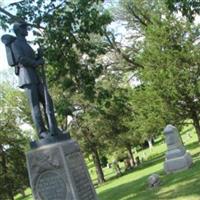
(23,30)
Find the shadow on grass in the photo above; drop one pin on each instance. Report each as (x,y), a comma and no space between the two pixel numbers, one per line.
(129,191)
(142,166)
(192,146)
(183,184)
(159,141)
(187,130)
(187,183)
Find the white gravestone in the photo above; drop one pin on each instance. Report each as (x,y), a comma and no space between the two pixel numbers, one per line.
(176,158)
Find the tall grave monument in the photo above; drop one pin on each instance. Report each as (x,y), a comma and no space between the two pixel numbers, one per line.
(176,157)
(55,164)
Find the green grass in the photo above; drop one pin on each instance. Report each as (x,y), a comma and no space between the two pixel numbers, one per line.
(133,186)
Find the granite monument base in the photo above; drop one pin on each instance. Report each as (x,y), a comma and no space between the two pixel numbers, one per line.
(178,163)
(57,172)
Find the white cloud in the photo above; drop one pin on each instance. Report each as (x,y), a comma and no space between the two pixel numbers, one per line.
(7,2)
(197,19)
(3,62)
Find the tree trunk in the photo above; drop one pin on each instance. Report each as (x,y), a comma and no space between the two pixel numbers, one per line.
(23,193)
(196,124)
(97,164)
(4,170)
(130,154)
(150,143)
(11,196)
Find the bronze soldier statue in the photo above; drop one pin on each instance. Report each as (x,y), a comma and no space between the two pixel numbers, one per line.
(26,62)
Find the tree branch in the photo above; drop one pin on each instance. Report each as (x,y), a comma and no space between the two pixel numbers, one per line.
(118,50)
(14,18)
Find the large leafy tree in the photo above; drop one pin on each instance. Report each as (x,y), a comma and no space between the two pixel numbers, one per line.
(116,115)
(85,127)
(120,117)
(70,33)
(170,56)
(151,111)
(188,8)
(64,30)
(13,173)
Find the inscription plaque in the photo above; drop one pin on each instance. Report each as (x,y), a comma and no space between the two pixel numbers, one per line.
(58,172)
(81,178)
(51,186)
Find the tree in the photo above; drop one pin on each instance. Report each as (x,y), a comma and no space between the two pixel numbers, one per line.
(117,116)
(71,34)
(170,56)
(85,130)
(152,113)
(13,173)
(168,53)
(65,30)
(188,8)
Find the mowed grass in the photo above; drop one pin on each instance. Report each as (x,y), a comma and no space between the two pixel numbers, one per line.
(183,185)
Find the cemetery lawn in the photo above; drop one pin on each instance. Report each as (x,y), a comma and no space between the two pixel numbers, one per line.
(133,185)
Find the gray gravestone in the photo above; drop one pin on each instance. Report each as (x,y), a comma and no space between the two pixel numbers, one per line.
(58,172)
(176,158)
(154,180)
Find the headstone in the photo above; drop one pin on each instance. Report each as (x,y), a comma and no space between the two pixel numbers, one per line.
(127,164)
(138,160)
(116,167)
(154,180)
(58,172)
(176,158)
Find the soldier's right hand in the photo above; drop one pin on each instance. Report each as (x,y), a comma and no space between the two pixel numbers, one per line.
(40,52)
(40,61)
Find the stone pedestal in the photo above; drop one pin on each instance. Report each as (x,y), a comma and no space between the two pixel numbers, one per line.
(178,164)
(58,172)
(176,158)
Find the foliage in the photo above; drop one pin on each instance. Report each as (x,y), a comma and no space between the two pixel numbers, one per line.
(70,32)
(119,115)
(71,38)
(174,186)
(171,63)
(169,58)
(188,8)
(162,52)
(152,113)
(181,185)
(13,173)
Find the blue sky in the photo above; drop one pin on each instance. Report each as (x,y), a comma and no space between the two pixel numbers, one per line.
(3,62)
(116,26)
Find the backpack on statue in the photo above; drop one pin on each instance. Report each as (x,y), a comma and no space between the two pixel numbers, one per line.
(8,40)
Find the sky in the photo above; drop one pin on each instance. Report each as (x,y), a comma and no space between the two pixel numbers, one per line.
(3,62)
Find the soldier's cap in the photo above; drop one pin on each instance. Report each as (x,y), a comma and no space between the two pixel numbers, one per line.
(18,25)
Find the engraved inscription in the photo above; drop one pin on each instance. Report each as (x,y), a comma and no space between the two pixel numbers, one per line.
(81,178)
(51,186)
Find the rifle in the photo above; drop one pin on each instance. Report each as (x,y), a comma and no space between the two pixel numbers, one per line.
(50,113)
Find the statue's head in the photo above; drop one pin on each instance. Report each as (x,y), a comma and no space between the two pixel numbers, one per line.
(20,28)
(172,135)
(170,129)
